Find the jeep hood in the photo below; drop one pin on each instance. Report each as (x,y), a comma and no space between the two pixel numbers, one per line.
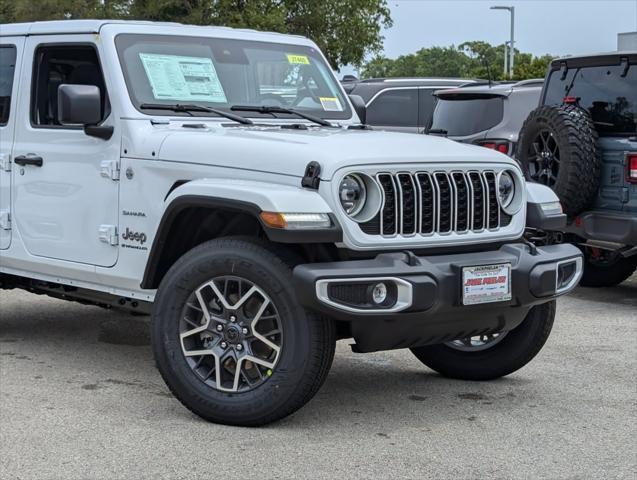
(288,151)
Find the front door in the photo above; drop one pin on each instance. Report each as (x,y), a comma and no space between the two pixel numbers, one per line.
(65,189)
(10,53)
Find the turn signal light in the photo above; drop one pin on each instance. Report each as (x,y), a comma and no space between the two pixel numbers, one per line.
(296,221)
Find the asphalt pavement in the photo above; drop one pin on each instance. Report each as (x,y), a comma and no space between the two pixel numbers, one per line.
(80,398)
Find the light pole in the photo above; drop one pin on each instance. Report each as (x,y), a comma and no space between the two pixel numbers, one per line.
(512,40)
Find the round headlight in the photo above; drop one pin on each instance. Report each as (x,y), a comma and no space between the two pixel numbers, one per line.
(352,194)
(506,189)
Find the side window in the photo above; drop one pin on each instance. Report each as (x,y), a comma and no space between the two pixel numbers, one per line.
(61,64)
(395,108)
(7,70)
(427,101)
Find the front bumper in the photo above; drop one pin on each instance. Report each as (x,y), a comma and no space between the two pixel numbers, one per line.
(428,293)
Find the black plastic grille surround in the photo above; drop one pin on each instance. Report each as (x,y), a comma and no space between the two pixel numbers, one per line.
(438,202)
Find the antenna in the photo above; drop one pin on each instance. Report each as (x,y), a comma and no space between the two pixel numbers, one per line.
(486,65)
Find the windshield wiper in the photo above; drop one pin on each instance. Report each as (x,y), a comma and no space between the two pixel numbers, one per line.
(178,107)
(275,109)
(437,131)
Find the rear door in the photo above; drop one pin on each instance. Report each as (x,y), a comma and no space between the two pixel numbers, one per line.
(10,55)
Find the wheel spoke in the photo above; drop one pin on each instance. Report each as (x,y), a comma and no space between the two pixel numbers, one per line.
(256,334)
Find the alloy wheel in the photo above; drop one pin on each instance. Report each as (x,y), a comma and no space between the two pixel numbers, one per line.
(477,342)
(231,334)
(544,158)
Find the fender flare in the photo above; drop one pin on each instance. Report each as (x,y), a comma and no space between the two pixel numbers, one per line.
(241,197)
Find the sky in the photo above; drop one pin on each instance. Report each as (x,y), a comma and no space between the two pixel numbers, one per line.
(557,27)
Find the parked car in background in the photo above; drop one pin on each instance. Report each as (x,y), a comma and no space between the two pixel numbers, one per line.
(582,142)
(489,115)
(400,104)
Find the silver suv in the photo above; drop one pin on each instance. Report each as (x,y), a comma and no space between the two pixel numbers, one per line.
(401,104)
(490,115)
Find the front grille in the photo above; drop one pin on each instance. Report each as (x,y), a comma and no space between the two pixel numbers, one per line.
(439,202)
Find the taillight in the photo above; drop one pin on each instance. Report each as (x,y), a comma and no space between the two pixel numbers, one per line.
(501,146)
(631,167)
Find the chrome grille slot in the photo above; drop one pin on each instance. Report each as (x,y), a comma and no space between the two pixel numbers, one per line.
(478,200)
(389,210)
(462,201)
(493,212)
(427,203)
(409,211)
(444,194)
(436,203)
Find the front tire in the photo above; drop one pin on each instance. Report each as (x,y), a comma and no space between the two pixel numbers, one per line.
(230,340)
(504,355)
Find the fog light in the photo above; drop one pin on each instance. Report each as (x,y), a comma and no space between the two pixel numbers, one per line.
(379,293)
(568,274)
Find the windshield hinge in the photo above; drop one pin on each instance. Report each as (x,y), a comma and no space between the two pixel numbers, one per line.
(108,234)
(311,178)
(623,61)
(110,169)
(5,163)
(5,220)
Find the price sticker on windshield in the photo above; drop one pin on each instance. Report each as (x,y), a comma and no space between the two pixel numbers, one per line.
(331,104)
(298,59)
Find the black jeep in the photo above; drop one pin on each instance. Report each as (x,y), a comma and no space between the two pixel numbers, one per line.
(582,142)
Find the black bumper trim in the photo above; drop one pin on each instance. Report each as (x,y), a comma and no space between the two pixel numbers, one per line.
(436,313)
(616,227)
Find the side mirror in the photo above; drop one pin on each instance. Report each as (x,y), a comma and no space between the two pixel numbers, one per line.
(359,107)
(79,105)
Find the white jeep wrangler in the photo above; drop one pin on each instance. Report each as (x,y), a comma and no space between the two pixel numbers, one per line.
(222,181)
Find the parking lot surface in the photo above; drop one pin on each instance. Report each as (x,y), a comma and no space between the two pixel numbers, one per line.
(80,398)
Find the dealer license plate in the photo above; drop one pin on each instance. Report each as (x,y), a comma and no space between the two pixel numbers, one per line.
(486,284)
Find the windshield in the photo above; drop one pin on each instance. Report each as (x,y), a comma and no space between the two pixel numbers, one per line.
(609,93)
(222,73)
(462,117)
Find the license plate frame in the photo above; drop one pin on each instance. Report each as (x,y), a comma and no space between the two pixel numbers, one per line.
(486,284)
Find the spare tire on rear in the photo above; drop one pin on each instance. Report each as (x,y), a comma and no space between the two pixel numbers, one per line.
(557,148)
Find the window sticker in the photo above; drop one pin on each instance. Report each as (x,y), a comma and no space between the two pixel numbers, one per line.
(331,104)
(298,59)
(174,77)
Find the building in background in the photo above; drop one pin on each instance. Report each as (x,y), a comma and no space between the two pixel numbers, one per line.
(627,41)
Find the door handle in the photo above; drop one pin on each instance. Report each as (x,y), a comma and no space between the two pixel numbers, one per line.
(29,159)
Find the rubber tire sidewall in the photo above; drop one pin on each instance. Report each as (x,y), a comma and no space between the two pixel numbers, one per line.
(610,275)
(574,132)
(513,352)
(289,386)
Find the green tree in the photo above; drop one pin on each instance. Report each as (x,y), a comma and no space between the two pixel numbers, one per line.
(475,59)
(346,30)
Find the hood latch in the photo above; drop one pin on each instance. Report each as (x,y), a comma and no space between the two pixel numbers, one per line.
(311,178)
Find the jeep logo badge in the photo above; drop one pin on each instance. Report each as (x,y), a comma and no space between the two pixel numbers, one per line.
(134,236)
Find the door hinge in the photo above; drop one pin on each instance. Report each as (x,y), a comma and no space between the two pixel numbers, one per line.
(5,163)
(110,169)
(108,234)
(5,220)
